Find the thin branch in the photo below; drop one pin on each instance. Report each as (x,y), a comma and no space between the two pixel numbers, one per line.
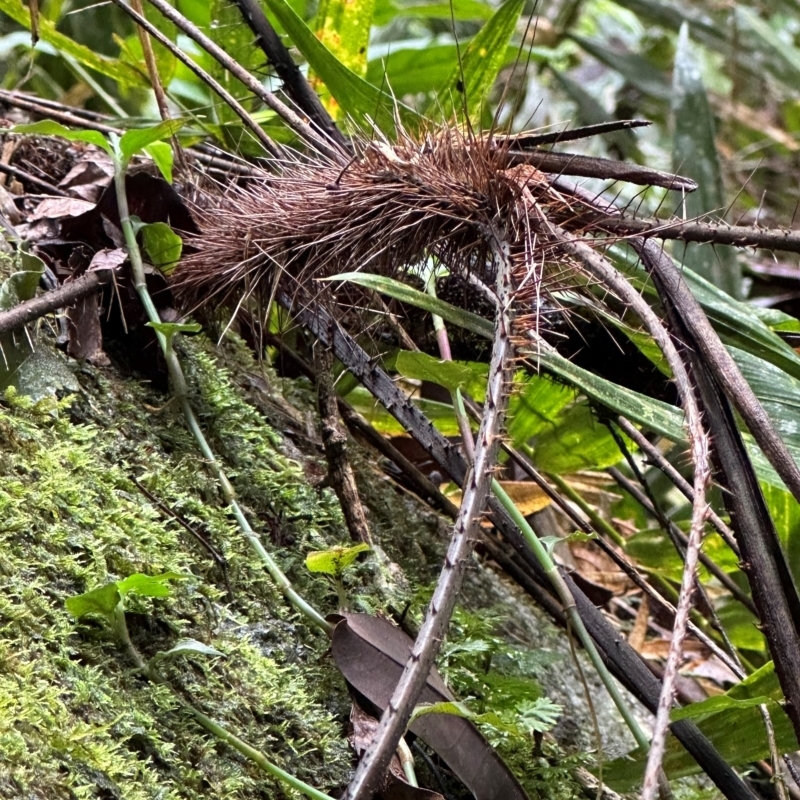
(294,82)
(373,764)
(216,87)
(334,440)
(603,271)
(656,457)
(293,120)
(67,295)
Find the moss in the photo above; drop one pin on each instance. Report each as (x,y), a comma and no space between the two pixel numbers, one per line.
(76,721)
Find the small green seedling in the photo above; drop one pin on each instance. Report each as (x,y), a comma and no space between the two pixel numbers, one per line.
(334,562)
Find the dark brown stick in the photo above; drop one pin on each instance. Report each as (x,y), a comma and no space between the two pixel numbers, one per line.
(334,439)
(66,296)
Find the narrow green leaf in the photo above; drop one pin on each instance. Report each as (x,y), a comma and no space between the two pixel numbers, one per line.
(102,600)
(534,406)
(48,127)
(694,154)
(481,61)
(712,705)
(406,294)
(110,67)
(359,99)
(343,27)
(334,561)
(21,284)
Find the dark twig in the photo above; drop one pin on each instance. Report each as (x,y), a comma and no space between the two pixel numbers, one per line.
(334,439)
(771,582)
(214,85)
(693,231)
(21,175)
(602,168)
(294,82)
(526,140)
(66,296)
(293,120)
(655,457)
(370,770)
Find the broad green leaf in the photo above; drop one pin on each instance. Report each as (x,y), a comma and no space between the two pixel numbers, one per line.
(162,245)
(440,414)
(481,61)
(110,67)
(47,127)
(185,646)
(102,600)
(467,376)
(134,141)
(534,406)
(694,154)
(578,442)
(425,69)
(335,560)
(149,585)
(406,294)
(361,100)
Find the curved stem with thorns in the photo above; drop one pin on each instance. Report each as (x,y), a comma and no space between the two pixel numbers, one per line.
(372,766)
(605,273)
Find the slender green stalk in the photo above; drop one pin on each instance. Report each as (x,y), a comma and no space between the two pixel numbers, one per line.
(220,731)
(181,393)
(568,602)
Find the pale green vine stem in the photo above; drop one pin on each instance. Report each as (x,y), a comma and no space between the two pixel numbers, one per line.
(181,393)
(568,602)
(221,732)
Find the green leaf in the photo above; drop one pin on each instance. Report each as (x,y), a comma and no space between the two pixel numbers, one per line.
(102,600)
(185,646)
(149,585)
(111,68)
(21,284)
(539,715)
(134,141)
(578,442)
(343,27)
(359,99)
(485,55)
(694,154)
(534,406)
(712,705)
(162,245)
(406,294)
(386,10)
(334,561)
(161,153)
(785,513)
(169,329)
(47,127)
(467,376)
